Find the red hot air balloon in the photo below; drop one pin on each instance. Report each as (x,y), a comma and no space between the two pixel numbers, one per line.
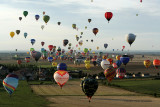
(95,30)
(156,63)
(141,1)
(123,47)
(19,62)
(50,47)
(108,16)
(42,43)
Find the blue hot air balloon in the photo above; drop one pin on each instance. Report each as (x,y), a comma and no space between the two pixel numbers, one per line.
(125,59)
(62,66)
(33,41)
(10,83)
(50,59)
(118,62)
(25,34)
(37,17)
(105,45)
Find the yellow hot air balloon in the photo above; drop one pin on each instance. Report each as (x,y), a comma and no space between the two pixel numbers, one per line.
(76,35)
(54,64)
(79,48)
(93,52)
(87,66)
(87,61)
(97,47)
(147,63)
(27,52)
(118,57)
(90,49)
(12,34)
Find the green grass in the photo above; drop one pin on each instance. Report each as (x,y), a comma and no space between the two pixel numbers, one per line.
(149,87)
(22,97)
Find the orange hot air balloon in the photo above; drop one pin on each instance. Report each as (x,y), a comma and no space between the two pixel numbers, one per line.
(118,57)
(156,63)
(95,30)
(108,16)
(12,34)
(147,63)
(110,60)
(104,57)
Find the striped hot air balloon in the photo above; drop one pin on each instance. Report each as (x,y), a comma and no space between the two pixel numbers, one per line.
(110,73)
(10,83)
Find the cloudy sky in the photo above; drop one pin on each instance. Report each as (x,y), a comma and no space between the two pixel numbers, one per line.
(124,21)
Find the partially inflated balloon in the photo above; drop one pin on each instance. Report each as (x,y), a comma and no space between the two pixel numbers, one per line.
(89,87)
(61,77)
(147,63)
(108,16)
(12,34)
(95,30)
(46,18)
(25,13)
(121,72)
(130,38)
(10,83)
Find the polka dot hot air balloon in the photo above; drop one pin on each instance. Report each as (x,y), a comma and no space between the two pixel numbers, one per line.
(10,83)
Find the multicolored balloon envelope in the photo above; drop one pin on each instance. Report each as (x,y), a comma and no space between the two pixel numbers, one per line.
(110,73)
(89,87)
(10,83)
(147,63)
(61,77)
(121,72)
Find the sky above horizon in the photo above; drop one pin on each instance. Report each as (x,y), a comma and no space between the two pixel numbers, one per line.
(145,26)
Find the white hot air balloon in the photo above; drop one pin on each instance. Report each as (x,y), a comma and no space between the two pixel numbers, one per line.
(130,38)
(105,64)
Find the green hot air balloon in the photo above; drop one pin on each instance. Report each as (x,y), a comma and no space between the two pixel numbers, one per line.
(31,49)
(46,18)
(89,87)
(25,13)
(85,50)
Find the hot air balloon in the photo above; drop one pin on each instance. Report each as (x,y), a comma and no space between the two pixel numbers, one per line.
(27,59)
(105,64)
(114,65)
(62,66)
(85,50)
(31,49)
(89,20)
(108,16)
(65,42)
(25,34)
(50,47)
(97,47)
(85,27)
(20,18)
(121,72)
(156,63)
(89,87)
(141,1)
(130,38)
(147,63)
(33,41)
(42,27)
(124,59)
(12,34)
(92,40)
(123,47)
(37,17)
(81,33)
(58,23)
(50,59)
(118,63)
(77,38)
(118,57)
(25,13)
(80,42)
(19,62)
(54,64)
(110,60)
(74,26)
(10,83)
(36,55)
(105,45)
(46,18)
(42,43)
(110,73)
(95,30)
(17,31)
(44,12)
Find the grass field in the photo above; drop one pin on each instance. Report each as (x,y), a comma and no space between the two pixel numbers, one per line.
(22,97)
(150,87)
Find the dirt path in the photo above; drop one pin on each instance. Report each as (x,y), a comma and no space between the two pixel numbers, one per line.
(72,96)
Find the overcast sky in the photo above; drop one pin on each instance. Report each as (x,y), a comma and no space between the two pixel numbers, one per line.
(146,25)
